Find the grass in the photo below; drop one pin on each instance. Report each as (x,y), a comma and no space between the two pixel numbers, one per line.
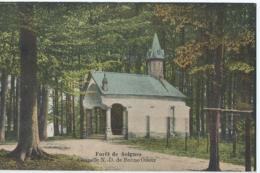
(195,148)
(64,137)
(56,162)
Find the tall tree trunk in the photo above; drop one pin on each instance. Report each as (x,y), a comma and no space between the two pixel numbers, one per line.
(10,114)
(17,107)
(197,103)
(192,107)
(43,113)
(234,140)
(56,112)
(202,115)
(208,91)
(223,126)
(73,117)
(61,113)
(68,114)
(28,133)
(248,142)
(254,117)
(12,104)
(223,103)
(53,110)
(216,92)
(39,105)
(82,112)
(82,117)
(232,99)
(182,71)
(4,83)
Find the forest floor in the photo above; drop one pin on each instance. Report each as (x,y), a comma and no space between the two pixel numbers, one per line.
(198,148)
(54,162)
(108,155)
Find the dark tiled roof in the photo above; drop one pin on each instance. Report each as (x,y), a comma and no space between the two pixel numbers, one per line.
(135,84)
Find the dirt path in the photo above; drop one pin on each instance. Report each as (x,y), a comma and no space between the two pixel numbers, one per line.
(110,156)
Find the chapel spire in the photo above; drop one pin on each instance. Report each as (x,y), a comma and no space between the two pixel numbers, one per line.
(155,59)
(155,52)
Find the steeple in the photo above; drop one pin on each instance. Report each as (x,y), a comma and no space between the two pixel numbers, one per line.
(155,59)
(156,52)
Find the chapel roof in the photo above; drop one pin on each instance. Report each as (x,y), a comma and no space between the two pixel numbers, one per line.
(135,85)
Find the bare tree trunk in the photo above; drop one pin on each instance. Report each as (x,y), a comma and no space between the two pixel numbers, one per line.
(216,93)
(82,112)
(3,105)
(191,109)
(202,116)
(234,140)
(10,114)
(223,118)
(208,91)
(43,113)
(230,98)
(39,103)
(61,114)
(12,104)
(254,117)
(214,140)
(247,143)
(53,111)
(56,112)
(73,116)
(68,114)
(17,107)
(82,117)
(28,133)
(197,102)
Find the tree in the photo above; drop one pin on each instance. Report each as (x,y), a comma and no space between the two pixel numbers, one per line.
(220,40)
(28,143)
(43,115)
(3,105)
(7,60)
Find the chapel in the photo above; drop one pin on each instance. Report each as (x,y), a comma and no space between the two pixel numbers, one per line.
(124,105)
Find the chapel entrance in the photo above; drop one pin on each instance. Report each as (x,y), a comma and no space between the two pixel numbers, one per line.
(98,120)
(117,119)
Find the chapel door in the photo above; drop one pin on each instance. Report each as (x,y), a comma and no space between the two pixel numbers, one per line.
(117,119)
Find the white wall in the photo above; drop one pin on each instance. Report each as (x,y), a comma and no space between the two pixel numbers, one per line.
(158,109)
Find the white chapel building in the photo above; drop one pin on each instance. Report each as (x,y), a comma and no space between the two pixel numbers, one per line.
(135,105)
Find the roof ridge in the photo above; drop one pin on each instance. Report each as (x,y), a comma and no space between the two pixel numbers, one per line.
(134,74)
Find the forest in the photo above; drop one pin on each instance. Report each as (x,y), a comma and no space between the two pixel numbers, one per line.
(48,49)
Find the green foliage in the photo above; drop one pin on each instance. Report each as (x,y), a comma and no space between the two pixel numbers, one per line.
(202,35)
(241,67)
(202,69)
(86,38)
